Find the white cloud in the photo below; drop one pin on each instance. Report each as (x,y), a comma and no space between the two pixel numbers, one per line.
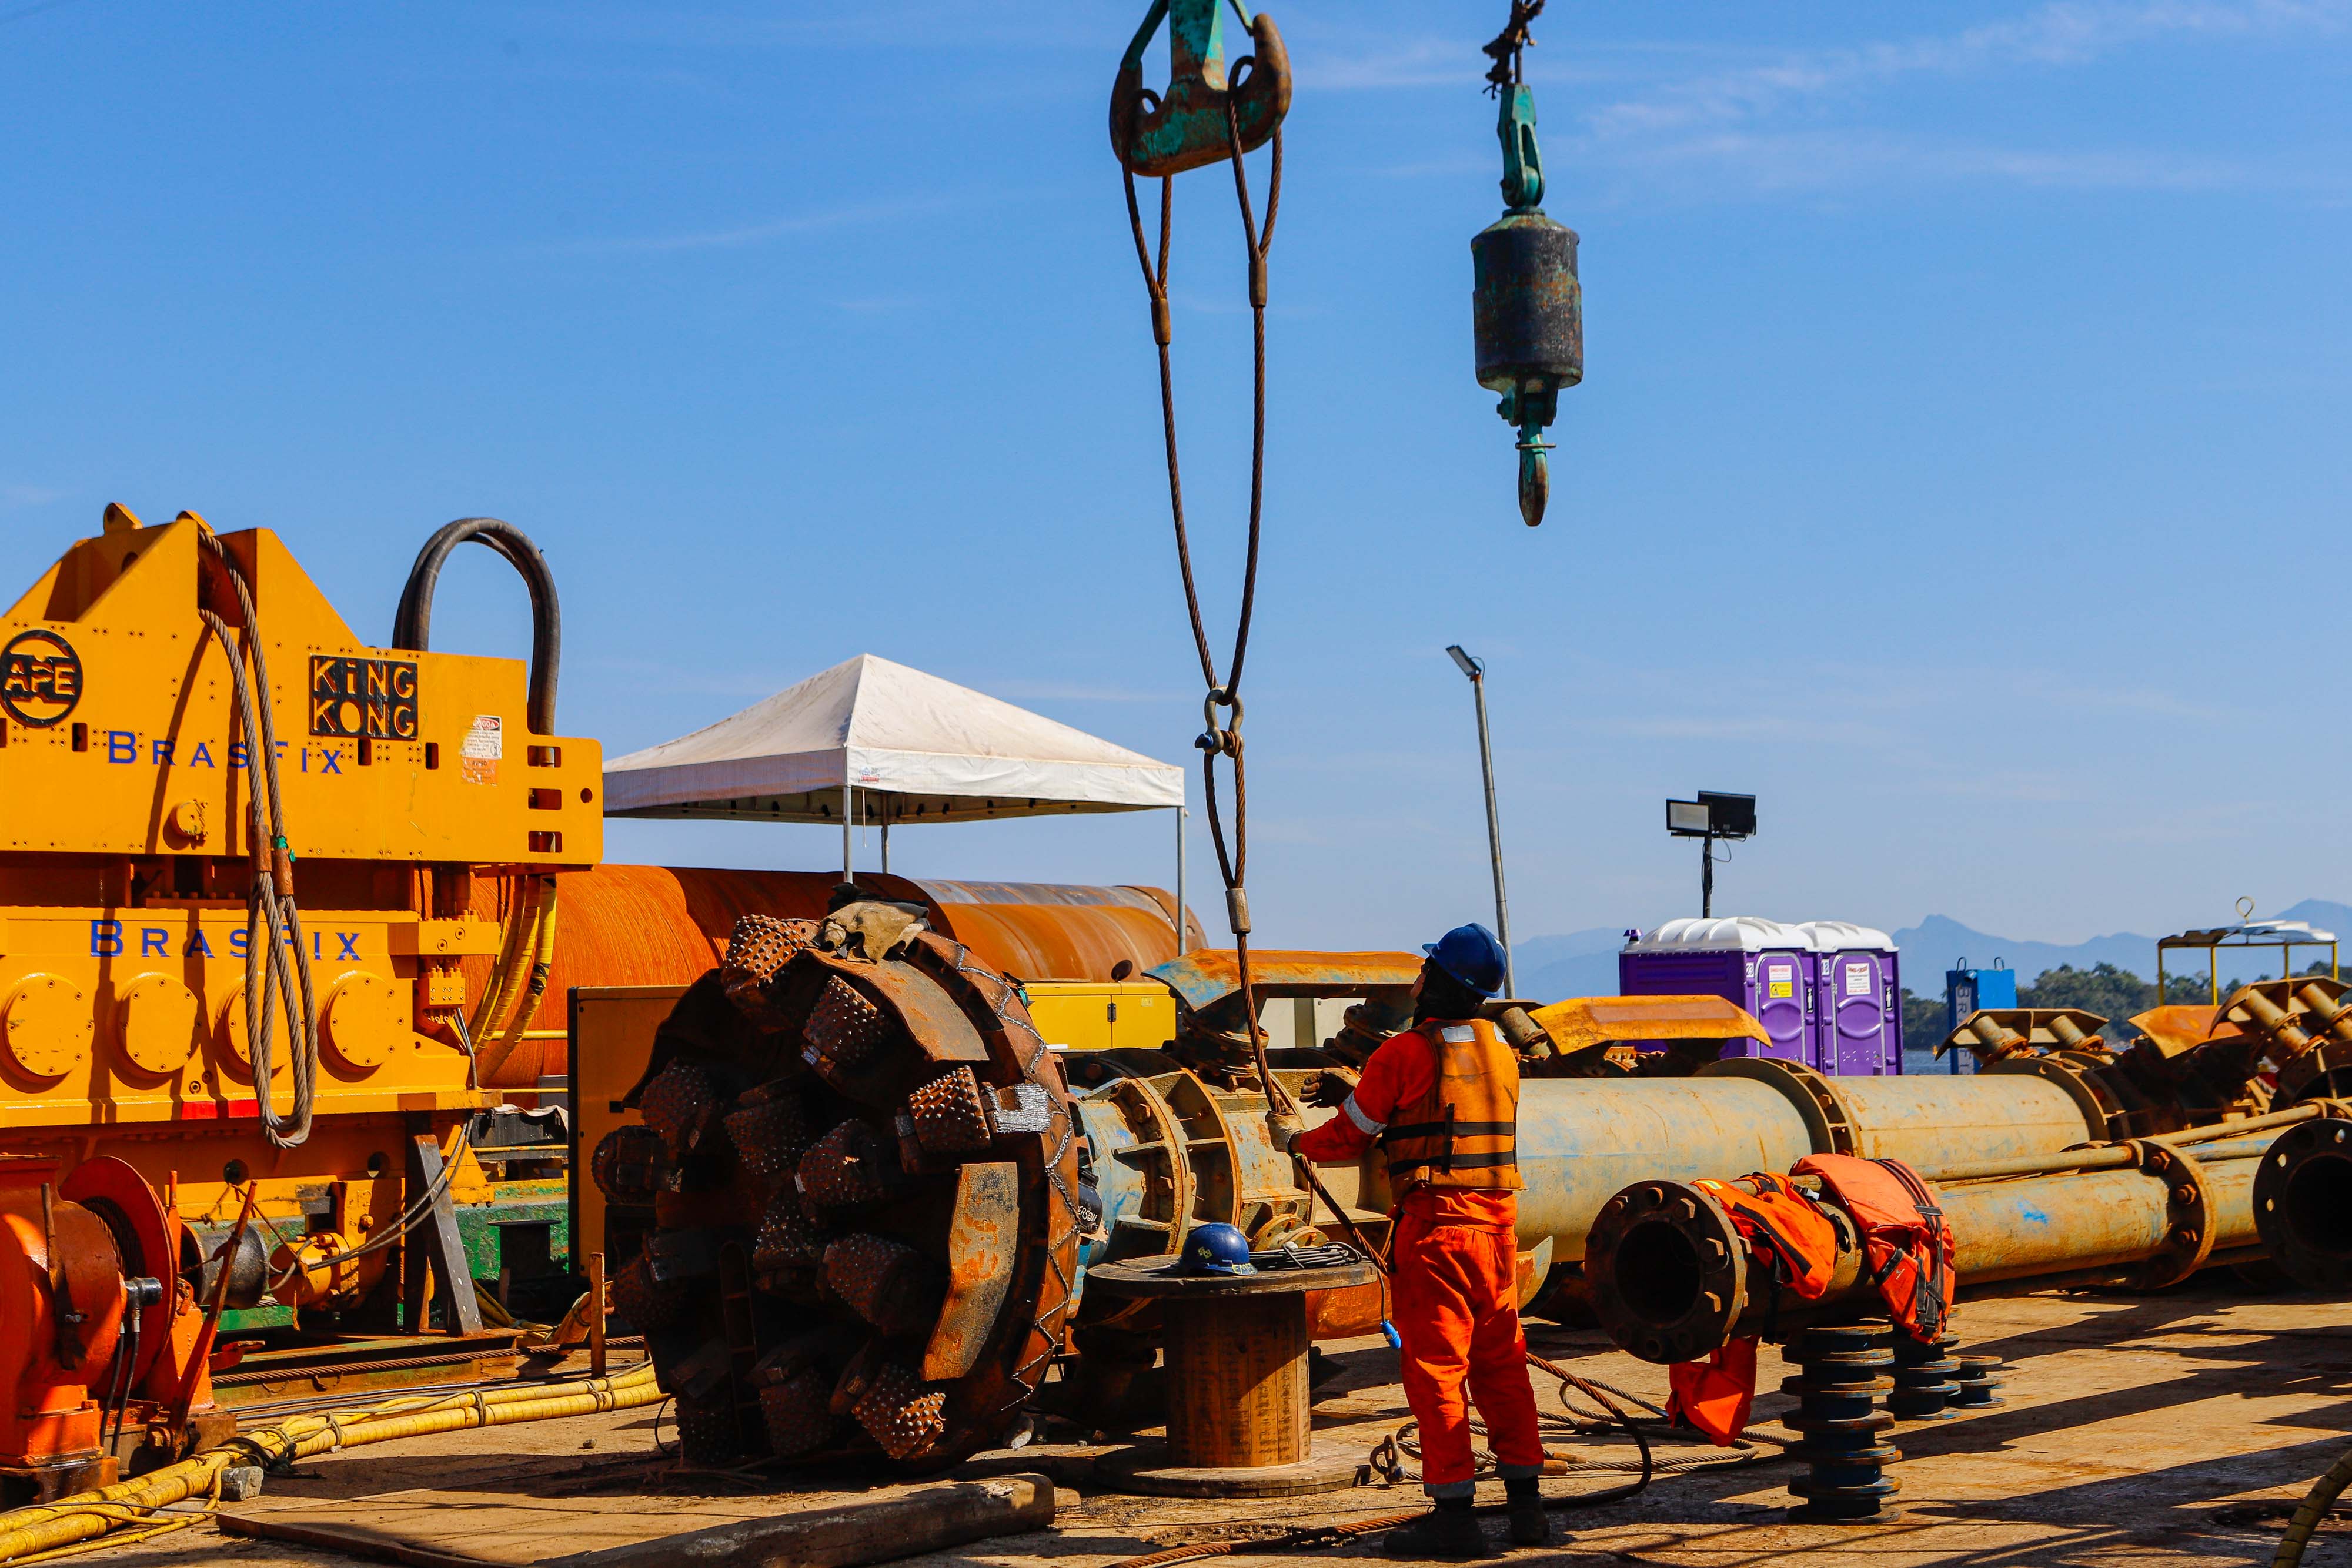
(2064,34)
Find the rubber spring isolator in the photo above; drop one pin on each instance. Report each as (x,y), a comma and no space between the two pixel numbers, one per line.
(1924,1389)
(1979,1382)
(1841,1375)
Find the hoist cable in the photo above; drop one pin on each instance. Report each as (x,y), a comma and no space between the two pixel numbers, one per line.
(1508,46)
(1220,739)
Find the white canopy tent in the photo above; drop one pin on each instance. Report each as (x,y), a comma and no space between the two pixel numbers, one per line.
(869,742)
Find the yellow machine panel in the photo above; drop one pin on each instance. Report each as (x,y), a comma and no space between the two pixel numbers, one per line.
(136,908)
(611,1029)
(1086,1015)
(118,733)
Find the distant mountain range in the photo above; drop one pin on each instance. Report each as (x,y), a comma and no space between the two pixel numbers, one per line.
(1584,963)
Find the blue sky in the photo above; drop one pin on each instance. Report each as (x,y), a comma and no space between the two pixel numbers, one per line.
(1961,465)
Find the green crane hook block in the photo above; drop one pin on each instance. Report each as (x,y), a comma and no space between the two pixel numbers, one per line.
(1168,132)
(1526,309)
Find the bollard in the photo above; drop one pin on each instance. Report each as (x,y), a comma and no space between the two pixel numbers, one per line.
(1923,1379)
(1837,1398)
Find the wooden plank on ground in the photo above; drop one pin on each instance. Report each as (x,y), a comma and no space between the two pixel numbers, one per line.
(434,1529)
(928,1519)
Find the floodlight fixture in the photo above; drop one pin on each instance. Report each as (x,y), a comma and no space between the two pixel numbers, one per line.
(1471,667)
(1714,815)
(1732,816)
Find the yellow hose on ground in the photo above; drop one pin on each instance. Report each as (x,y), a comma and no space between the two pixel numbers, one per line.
(86,1515)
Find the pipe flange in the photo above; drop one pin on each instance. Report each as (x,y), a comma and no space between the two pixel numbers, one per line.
(2300,1202)
(1829,1123)
(2188,1215)
(1668,1271)
(2320,1072)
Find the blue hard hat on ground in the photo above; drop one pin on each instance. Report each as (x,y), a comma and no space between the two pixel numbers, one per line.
(1217,1249)
(1472,955)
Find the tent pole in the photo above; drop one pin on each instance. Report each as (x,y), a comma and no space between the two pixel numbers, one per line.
(1180,814)
(848,816)
(886,839)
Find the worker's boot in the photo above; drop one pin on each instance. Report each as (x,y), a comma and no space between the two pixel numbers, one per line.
(1530,1525)
(1449,1530)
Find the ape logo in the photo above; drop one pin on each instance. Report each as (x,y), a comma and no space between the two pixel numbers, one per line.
(40,678)
(371,698)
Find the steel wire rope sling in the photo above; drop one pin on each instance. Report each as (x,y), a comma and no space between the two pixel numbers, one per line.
(273,920)
(1207,114)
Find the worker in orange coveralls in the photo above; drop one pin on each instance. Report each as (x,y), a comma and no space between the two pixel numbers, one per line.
(1441,1100)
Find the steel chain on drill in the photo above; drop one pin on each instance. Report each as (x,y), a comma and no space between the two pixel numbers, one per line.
(273,920)
(1220,739)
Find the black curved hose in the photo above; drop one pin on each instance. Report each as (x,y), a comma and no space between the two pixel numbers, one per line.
(412,624)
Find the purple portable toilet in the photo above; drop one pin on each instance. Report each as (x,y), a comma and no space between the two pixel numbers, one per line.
(1859,1014)
(1760,965)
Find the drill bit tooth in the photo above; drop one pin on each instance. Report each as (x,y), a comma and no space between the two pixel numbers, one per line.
(951,1115)
(646,1303)
(770,1134)
(851,1164)
(887,1283)
(680,1104)
(628,1164)
(898,1412)
(759,946)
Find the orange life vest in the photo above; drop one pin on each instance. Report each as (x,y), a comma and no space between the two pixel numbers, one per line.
(1785,1232)
(1907,1241)
(1464,1133)
(1795,1249)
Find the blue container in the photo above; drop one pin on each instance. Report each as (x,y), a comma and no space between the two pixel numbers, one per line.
(1968,990)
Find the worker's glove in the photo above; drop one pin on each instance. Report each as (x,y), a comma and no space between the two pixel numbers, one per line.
(1331,1088)
(1281,1128)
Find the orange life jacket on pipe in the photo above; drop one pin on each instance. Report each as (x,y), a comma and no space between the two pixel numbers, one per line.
(1718,1394)
(1907,1241)
(1785,1231)
(1464,1133)
(1795,1249)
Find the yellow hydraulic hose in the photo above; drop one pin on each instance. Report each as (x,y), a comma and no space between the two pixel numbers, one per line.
(542,958)
(522,967)
(2306,1521)
(86,1515)
(501,989)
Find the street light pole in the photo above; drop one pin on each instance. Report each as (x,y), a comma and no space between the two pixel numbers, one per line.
(1477,671)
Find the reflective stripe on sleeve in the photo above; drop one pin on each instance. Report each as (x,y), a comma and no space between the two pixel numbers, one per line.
(1364,1123)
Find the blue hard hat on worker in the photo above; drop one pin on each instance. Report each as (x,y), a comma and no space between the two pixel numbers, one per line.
(1472,955)
(1216,1250)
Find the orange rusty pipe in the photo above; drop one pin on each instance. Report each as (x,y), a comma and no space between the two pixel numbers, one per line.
(664,926)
